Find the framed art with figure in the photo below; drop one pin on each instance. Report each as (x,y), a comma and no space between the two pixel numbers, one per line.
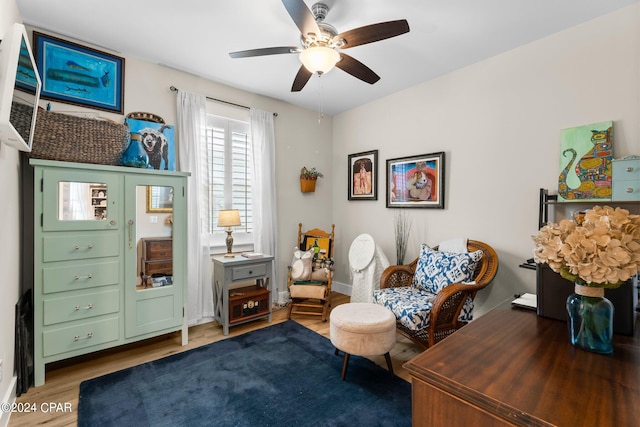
(416,181)
(363,176)
(79,75)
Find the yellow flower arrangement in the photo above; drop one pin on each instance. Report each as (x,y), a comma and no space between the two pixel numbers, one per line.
(602,251)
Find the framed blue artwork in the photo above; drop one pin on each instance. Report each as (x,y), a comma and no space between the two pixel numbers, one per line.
(158,142)
(79,75)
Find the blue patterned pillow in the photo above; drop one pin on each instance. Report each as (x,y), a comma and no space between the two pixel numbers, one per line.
(436,270)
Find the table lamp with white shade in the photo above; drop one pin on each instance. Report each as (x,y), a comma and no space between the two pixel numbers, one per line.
(229,218)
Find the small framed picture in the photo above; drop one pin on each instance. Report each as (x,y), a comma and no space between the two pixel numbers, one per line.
(79,75)
(363,176)
(416,181)
(323,242)
(159,199)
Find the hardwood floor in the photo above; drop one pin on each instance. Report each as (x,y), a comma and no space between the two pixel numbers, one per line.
(63,379)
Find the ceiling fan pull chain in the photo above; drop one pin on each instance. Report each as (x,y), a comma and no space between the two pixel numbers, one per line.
(321,116)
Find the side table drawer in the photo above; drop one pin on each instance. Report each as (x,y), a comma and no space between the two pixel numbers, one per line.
(626,180)
(72,338)
(159,249)
(64,247)
(626,191)
(158,267)
(624,170)
(80,276)
(248,272)
(58,310)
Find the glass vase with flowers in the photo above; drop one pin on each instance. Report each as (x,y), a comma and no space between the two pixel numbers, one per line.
(597,250)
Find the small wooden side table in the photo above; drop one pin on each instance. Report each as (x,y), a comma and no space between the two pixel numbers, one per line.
(234,271)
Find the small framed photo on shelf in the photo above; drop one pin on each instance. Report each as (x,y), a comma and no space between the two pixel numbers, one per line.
(79,75)
(363,176)
(416,181)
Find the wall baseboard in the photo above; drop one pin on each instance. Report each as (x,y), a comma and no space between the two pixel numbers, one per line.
(9,397)
(342,288)
(283,297)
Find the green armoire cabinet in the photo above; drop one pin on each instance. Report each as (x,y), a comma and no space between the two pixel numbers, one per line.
(89,285)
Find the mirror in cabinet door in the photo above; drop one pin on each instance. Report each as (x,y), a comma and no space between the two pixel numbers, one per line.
(153,263)
(154,236)
(79,200)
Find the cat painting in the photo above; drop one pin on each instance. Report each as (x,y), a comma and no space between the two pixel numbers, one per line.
(586,155)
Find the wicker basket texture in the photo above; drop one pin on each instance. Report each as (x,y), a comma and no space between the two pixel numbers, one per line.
(70,138)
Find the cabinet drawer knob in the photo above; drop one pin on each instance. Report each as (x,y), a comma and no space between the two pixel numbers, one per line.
(629,190)
(77,247)
(112,223)
(88,307)
(88,276)
(78,337)
(629,169)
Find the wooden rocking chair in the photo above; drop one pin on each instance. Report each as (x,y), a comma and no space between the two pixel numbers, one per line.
(312,295)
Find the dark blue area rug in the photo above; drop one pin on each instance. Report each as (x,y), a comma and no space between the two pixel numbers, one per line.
(281,375)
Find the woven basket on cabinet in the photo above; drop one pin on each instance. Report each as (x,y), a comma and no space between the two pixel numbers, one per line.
(78,139)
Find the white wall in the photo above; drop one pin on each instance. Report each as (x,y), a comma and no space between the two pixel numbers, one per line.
(498,121)
(10,237)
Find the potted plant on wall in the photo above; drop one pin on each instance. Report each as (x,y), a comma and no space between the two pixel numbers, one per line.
(308,178)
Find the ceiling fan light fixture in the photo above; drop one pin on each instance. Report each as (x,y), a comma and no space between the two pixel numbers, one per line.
(319,59)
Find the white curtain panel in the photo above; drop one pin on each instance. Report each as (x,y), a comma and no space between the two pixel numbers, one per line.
(264,187)
(192,121)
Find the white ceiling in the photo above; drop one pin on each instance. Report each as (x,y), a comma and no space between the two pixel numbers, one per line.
(196,36)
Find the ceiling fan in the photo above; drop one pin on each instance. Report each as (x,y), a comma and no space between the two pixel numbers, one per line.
(321,44)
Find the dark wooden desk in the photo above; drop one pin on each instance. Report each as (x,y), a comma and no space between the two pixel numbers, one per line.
(511,367)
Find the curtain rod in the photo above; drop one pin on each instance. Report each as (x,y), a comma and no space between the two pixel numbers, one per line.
(175,89)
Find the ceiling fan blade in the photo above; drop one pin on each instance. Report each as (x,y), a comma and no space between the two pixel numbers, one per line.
(302,17)
(301,79)
(373,33)
(357,69)
(265,51)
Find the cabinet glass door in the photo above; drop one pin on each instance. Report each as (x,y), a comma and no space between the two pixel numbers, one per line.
(153,266)
(79,200)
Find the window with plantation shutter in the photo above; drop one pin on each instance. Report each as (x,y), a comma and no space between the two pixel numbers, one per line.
(229,158)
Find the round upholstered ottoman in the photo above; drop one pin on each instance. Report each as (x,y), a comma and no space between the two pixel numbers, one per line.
(363,329)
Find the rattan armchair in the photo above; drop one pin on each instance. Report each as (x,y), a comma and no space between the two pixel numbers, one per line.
(448,303)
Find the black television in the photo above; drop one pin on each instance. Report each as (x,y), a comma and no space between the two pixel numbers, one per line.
(20,87)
